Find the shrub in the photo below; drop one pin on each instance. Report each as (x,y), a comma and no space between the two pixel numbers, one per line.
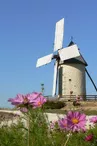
(54,105)
(76,103)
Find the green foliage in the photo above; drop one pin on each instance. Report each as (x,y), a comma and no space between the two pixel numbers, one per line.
(12,135)
(36,132)
(54,105)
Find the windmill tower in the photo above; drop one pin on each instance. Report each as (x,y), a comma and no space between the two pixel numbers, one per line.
(69,67)
(72,77)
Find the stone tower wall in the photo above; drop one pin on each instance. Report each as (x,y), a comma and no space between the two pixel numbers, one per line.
(72,79)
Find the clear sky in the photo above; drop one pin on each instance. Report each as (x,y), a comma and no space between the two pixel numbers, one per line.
(27,33)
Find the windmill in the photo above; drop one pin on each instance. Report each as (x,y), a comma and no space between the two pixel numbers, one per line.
(63,54)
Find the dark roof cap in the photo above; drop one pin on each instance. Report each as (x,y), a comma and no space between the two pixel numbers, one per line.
(71,43)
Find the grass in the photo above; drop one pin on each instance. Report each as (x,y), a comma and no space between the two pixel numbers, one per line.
(13,135)
(59,111)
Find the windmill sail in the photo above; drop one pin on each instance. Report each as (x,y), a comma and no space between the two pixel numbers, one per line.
(59,31)
(44,60)
(69,52)
(55,78)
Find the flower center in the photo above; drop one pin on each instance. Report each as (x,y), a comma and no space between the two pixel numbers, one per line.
(75,121)
(65,125)
(39,103)
(25,100)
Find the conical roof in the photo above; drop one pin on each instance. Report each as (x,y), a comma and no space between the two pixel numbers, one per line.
(71,43)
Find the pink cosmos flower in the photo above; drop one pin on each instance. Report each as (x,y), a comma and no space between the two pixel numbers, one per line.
(24,109)
(20,100)
(24,99)
(17,100)
(32,96)
(52,124)
(93,119)
(63,123)
(89,137)
(34,99)
(79,98)
(39,101)
(76,121)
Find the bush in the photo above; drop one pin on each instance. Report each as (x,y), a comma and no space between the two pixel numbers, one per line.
(54,105)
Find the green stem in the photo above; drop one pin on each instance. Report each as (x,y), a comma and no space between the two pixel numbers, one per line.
(67,139)
(28,131)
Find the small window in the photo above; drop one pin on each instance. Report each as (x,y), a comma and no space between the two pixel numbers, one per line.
(69,79)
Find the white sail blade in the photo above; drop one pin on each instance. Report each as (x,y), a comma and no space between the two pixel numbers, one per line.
(59,31)
(69,52)
(44,60)
(55,78)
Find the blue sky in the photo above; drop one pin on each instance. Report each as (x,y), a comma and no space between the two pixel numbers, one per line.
(27,33)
